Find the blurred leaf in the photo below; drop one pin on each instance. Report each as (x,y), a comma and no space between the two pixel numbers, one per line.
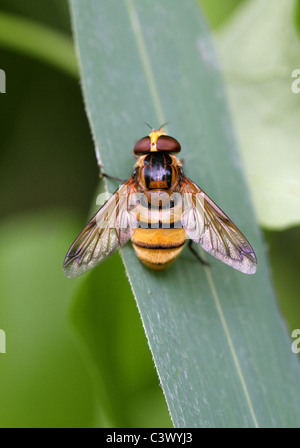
(39,41)
(297,17)
(44,130)
(259,57)
(218,341)
(285,256)
(218,11)
(54,13)
(43,380)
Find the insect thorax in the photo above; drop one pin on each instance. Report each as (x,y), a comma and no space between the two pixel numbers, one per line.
(158,171)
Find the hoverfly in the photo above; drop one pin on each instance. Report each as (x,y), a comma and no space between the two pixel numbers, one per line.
(159,209)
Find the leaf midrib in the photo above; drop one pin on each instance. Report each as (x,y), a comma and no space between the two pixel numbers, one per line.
(142,49)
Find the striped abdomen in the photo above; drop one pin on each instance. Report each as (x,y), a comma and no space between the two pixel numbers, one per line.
(159,238)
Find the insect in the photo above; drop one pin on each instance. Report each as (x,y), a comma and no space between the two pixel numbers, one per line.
(159,209)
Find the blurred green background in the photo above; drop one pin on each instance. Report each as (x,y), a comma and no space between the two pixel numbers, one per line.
(48,175)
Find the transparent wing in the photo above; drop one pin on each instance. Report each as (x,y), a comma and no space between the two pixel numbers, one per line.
(207,225)
(110,228)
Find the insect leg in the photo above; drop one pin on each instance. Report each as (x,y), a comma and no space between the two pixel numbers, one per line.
(102,174)
(205,263)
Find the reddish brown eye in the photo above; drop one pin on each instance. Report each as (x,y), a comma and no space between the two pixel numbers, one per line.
(142,146)
(168,144)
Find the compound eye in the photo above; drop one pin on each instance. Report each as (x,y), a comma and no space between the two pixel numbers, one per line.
(168,144)
(142,146)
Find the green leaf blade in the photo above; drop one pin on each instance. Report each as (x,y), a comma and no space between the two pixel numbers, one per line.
(217,338)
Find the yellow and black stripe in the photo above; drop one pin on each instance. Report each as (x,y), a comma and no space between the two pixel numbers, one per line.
(157,248)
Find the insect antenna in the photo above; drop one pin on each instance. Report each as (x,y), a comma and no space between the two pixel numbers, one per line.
(149,126)
(163,125)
